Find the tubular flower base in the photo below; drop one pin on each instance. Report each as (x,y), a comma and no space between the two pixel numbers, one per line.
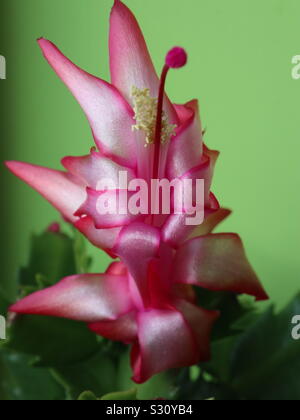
(146,299)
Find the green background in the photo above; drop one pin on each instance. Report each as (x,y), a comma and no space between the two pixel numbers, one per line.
(240,69)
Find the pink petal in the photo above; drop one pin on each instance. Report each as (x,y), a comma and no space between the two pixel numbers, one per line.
(130,62)
(104,239)
(184,292)
(211,222)
(186,148)
(160,281)
(213,155)
(176,231)
(185,112)
(117,268)
(201,322)
(87,297)
(124,329)
(217,262)
(110,116)
(62,190)
(138,244)
(202,171)
(117,202)
(165,341)
(93,168)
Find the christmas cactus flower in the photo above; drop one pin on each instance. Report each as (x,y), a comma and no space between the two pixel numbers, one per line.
(146,299)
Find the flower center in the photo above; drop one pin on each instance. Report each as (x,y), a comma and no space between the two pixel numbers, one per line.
(145,108)
(150,116)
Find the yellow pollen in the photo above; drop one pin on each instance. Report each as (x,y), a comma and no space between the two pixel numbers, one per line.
(145,108)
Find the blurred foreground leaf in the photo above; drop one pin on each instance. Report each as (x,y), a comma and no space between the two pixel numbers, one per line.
(261,363)
(19,381)
(97,374)
(51,258)
(232,308)
(130,395)
(52,341)
(4,303)
(87,396)
(266,359)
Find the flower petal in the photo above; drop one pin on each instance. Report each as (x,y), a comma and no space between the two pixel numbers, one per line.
(201,322)
(202,171)
(108,209)
(86,297)
(124,329)
(93,169)
(130,61)
(137,245)
(117,268)
(165,341)
(212,154)
(104,239)
(185,112)
(110,116)
(186,148)
(62,190)
(211,222)
(217,262)
(176,231)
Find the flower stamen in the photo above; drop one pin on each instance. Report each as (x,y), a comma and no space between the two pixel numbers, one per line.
(145,108)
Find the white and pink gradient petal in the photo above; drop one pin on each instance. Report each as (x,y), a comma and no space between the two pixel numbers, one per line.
(201,322)
(165,341)
(217,262)
(176,230)
(212,220)
(110,116)
(104,239)
(93,169)
(108,209)
(186,149)
(130,61)
(137,245)
(123,329)
(87,298)
(64,191)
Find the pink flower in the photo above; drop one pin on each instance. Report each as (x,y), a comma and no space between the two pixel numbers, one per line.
(147,299)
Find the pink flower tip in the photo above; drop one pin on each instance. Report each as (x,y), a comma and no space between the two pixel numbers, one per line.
(54,228)
(176,58)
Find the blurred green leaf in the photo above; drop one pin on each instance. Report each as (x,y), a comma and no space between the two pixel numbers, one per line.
(159,386)
(266,359)
(52,341)
(130,395)
(19,381)
(51,258)
(97,374)
(87,396)
(82,260)
(4,303)
(260,363)
(232,308)
(201,390)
